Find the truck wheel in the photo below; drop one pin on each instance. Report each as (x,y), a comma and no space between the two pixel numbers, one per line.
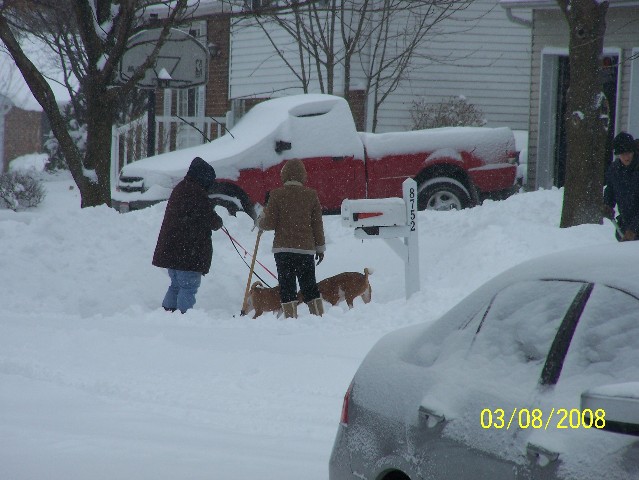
(442,194)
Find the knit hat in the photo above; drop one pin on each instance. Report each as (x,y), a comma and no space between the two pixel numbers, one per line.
(293,170)
(623,143)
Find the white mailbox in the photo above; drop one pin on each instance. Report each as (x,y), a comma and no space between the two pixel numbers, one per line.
(373,212)
(390,219)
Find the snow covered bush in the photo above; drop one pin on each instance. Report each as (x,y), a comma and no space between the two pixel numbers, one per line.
(20,190)
(451,112)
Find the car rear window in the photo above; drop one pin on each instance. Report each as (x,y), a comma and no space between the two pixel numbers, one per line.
(517,330)
(606,341)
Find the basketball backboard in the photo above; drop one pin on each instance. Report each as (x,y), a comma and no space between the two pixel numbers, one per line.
(182,61)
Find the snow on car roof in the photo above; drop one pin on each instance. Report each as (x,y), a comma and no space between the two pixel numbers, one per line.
(609,264)
(248,137)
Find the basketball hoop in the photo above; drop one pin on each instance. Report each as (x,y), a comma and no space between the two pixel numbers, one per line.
(164,79)
(182,61)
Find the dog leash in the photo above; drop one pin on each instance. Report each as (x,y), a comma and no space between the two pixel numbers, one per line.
(235,244)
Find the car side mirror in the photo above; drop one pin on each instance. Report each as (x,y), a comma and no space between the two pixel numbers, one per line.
(281,145)
(614,408)
(431,416)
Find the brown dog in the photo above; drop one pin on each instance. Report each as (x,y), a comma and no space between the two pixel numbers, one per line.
(346,286)
(343,286)
(264,299)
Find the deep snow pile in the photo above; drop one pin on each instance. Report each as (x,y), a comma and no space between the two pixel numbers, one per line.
(97,381)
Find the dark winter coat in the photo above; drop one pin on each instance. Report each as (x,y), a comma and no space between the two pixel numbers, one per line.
(295,213)
(622,191)
(184,242)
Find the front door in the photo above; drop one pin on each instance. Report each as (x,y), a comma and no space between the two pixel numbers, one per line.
(553,90)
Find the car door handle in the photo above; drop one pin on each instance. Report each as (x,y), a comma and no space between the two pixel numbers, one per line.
(431,416)
(338,159)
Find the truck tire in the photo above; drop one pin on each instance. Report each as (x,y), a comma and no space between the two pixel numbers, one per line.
(442,193)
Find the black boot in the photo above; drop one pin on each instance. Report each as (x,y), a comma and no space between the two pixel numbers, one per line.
(169,309)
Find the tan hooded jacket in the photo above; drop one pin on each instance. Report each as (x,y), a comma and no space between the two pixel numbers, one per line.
(295,213)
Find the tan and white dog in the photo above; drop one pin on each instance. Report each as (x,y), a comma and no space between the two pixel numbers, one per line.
(264,299)
(346,286)
(343,286)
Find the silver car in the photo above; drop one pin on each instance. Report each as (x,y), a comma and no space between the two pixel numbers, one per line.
(535,375)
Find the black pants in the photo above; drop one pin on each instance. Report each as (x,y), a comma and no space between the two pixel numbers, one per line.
(292,267)
(621,224)
(622,227)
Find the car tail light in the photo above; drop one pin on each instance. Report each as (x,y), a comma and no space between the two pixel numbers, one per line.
(347,398)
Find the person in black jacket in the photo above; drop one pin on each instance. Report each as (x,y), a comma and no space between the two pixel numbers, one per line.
(184,243)
(622,187)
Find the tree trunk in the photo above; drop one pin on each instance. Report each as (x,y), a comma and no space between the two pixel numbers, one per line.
(91,53)
(585,130)
(96,189)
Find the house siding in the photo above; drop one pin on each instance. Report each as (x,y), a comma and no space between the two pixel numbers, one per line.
(487,61)
(256,70)
(550,32)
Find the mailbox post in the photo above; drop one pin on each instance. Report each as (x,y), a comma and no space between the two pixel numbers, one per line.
(390,219)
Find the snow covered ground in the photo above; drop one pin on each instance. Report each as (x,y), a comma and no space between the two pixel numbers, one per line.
(98,382)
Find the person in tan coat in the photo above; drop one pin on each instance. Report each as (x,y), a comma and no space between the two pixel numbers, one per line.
(294,212)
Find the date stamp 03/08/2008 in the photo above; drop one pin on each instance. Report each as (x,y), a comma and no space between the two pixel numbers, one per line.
(560,418)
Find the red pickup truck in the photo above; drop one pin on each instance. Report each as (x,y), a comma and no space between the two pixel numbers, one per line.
(454,167)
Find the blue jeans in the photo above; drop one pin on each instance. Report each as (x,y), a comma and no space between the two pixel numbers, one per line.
(181,292)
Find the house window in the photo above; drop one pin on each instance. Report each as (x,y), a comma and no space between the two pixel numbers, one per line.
(255,5)
(195,29)
(188,102)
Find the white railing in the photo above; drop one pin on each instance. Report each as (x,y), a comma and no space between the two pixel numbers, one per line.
(130,142)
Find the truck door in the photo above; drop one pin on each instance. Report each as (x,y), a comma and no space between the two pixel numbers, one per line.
(335,178)
(330,147)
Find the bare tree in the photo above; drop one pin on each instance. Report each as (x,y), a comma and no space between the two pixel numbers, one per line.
(585,130)
(373,39)
(89,38)
(401,30)
(9,81)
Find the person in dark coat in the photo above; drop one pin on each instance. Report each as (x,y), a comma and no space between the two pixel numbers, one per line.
(184,243)
(622,187)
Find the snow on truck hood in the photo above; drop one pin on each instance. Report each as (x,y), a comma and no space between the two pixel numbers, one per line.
(252,143)
(485,143)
